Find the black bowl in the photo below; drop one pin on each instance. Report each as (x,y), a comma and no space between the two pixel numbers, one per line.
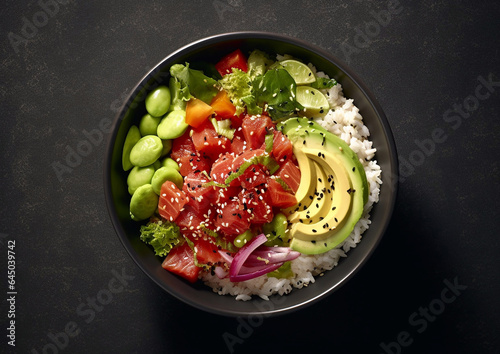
(210,49)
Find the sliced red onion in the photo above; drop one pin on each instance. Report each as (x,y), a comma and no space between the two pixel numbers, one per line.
(254,260)
(255,274)
(220,272)
(241,256)
(226,257)
(259,257)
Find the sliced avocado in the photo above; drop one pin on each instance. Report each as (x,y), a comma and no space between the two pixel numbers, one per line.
(307,182)
(319,203)
(346,177)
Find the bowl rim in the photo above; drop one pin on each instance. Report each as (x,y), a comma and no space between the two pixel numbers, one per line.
(245,35)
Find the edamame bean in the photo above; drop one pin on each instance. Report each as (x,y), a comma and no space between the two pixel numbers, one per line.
(173,125)
(131,139)
(146,151)
(158,101)
(166,174)
(143,203)
(242,239)
(139,176)
(157,164)
(149,124)
(167,146)
(276,230)
(170,162)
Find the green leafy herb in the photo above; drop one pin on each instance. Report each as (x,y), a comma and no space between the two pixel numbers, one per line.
(162,235)
(265,160)
(285,186)
(198,84)
(195,254)
(285,271)
(208,231)
(277,90)
(323,83)
(269,139)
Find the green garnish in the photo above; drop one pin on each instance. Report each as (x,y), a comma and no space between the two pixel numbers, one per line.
(283,184)
(269,142)
(277,89)
(285,271)
(323,83)
(223,127)
(265,160)
(162,235)
(208,231)
(195,82)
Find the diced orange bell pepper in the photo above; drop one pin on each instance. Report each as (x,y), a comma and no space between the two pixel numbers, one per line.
(197,112)
(222,105)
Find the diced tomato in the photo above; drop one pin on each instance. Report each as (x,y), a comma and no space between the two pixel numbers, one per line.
(231,219)
(222,105)
(193,162)
(194,182)
(221,168)
(255,129)
(279,197)
(180,261)
(207,141)
(207,252)
(171,201)
(232,60)
(197,112)
(289,172)
(258,202)
(282,147)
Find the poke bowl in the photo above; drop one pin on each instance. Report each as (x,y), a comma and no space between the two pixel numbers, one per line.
(357,156)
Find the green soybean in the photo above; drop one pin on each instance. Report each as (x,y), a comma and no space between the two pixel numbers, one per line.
(173,125)
(149,124)
(146,151)
(143,203)
(133,136)
(275,231)
(170,162)
(158,101)
(139,176)
(242,239)
(166,174)
(167,146)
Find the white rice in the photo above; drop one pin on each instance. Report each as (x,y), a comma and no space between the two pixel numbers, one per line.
(344,121)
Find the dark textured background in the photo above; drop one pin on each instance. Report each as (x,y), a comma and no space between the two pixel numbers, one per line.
(75,71)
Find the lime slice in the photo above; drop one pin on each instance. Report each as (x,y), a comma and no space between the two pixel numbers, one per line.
(300,72)
(313,100)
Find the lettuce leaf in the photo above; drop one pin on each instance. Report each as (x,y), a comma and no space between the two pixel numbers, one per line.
(195,81)
(162,235)
(238,86)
